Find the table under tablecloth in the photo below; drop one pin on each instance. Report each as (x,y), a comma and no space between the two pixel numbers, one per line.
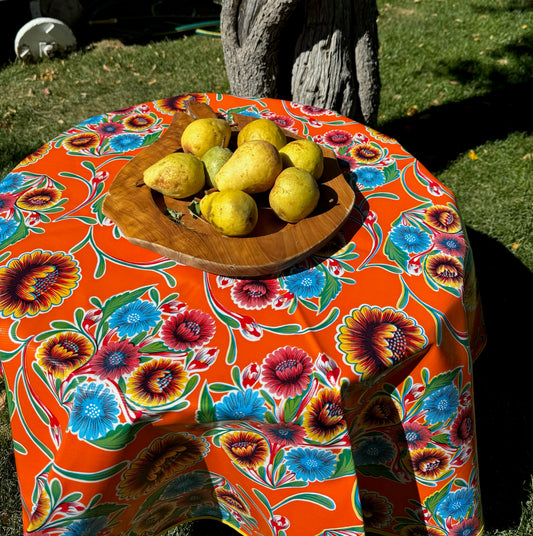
(333,399)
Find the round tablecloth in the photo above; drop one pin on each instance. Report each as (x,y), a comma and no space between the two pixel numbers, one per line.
(333,399)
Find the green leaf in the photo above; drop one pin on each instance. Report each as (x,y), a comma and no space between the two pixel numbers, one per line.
(391,172)
(376,471)
(63,326)
(394,253)
(345,465)
(191,384)
(154,348)
(119,437)
(290,408)
(206,413)
(316,498)
(330,291)
(222,387)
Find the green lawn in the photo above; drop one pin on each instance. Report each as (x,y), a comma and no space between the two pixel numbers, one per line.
(456,93)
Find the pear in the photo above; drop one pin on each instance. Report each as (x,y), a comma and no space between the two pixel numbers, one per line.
(231,212)
(205,204)
(294,195)
(262,129)
(176,175)
(253,168)
(304,154)
(213,160)
(202,134)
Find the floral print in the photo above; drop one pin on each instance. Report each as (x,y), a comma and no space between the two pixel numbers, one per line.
(373,339)
(146,393)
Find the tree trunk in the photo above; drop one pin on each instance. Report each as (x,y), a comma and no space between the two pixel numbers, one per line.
(317,52)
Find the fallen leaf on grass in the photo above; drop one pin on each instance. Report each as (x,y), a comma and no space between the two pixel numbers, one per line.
(472,155)
(515,246)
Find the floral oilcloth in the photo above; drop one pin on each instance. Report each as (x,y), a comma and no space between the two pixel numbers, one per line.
(334,399)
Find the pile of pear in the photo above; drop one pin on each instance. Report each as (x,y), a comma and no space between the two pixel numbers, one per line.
(263,162)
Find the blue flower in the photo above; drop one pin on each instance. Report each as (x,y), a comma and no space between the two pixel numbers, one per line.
(369,176)
(11,182)
(457,504)
(7,228)
(240,405)
(94,411)
(311,464)
(186,482)
(90,526)
(410,239)
(442,404)
(373,451)
(126,142)
(93,120)
(305,284)
(134,318)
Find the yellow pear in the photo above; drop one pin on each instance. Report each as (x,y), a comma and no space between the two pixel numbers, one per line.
(294,195)
(204,133)
(205,204)
(253,168)
(177,175)
(232,212)
(262,129)
(304,154)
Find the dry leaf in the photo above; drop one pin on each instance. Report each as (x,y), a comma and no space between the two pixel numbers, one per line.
(472,155)
(412,110)
(515,246)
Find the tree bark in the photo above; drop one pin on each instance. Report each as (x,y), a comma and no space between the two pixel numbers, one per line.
(322,53)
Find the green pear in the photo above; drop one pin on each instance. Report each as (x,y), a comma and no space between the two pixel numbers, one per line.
(253,168)
(202,134)
(176,175)
(294,195)
(213,160)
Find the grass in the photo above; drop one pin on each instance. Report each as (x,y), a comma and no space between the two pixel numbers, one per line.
(456,83)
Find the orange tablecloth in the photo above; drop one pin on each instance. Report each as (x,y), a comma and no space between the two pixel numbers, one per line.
(335,399)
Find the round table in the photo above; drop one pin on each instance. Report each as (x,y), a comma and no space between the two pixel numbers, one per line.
(335,398)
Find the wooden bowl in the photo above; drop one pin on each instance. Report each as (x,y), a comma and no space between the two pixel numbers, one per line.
(142,215)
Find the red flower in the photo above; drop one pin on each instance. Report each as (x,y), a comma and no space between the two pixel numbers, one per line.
(116,359)
(283,434)
(338,138)
(190,329)
(286,371)
(416,435)
(7,202)
(255,294)
(462,430)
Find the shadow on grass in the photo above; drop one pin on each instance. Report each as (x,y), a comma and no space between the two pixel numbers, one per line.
(502,384)
(441,134)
